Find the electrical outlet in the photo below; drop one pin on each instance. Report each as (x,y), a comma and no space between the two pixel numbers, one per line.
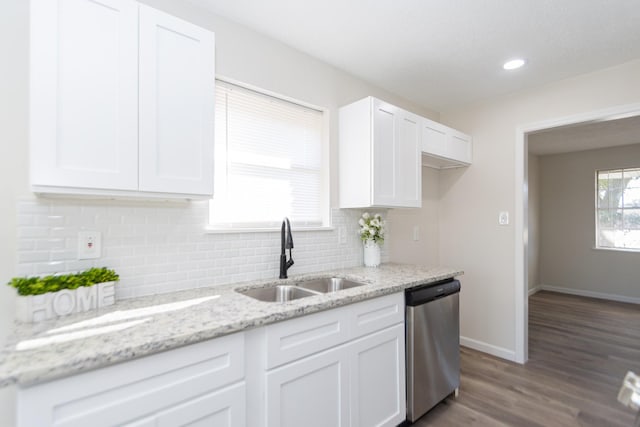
(416,233)
(89,244)
(342,235)
(503,218)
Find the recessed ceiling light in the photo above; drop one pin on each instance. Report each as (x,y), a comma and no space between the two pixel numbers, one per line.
(513,64)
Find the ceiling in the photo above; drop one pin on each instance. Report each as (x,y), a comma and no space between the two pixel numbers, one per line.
(604,134)
(444,54)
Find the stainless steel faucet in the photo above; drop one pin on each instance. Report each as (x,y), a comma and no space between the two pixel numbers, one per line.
(286,242)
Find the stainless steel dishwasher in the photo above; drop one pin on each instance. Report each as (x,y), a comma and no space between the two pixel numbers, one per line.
(433,345)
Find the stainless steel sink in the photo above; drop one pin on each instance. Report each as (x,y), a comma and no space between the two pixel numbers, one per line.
(279,293)
(329,284)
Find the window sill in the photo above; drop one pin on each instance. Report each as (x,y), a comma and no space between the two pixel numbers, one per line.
(214,230)
(627,250)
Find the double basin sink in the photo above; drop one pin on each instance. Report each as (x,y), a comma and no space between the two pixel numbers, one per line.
(305,288)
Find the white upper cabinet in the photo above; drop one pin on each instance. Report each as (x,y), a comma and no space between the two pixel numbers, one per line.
(84,93)
(443,147)
(176,105)
(379,156)
(121,100)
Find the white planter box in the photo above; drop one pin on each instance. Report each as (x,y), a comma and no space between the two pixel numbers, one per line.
(36,308)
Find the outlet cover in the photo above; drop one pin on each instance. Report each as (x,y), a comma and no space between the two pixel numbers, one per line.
(89,244)
(342,235)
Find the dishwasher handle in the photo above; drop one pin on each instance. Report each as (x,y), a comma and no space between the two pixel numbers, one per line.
(423,295)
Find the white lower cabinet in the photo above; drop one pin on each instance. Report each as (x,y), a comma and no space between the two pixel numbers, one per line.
(357,381)
(343,367)
(197,385)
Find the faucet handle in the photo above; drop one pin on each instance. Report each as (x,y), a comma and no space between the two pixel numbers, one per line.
(289,240)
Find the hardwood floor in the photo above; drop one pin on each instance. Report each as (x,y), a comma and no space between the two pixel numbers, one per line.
(579,351)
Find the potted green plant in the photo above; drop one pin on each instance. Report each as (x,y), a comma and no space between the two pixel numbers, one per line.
(47,297)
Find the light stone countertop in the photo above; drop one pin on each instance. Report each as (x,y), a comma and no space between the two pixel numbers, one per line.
(143,326)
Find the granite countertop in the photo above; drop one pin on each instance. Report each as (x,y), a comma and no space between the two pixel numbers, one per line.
(143,326)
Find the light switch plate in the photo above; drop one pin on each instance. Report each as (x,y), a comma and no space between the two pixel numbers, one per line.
(89,244)
(503,218)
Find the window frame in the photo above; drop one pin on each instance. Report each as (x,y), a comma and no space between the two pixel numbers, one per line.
(325,170)
(597,210)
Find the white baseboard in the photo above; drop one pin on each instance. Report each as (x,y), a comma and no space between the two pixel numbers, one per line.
(493,350)
(590,294)
(535,290)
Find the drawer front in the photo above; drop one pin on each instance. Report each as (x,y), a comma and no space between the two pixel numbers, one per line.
(222,408)
(133,390)
(300,337)
(376,314)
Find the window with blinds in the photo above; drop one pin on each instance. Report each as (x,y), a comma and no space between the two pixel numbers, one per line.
(268,161)
(618,209)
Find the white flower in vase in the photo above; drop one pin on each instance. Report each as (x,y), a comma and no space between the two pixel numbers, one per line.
(372,235)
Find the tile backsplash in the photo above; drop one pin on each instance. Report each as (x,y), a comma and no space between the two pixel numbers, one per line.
(159,247)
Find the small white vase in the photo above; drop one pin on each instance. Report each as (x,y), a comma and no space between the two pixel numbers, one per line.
(371,253)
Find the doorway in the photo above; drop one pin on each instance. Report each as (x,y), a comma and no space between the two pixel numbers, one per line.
(523,134)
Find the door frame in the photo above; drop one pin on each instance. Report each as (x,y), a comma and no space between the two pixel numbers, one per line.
(522,205)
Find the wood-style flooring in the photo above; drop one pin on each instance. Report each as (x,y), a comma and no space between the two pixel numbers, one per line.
(579,351)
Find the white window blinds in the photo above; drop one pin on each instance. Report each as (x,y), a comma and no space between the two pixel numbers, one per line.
(268,161)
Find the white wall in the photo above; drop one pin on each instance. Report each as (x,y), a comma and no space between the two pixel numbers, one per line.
(470,237)
(533,223)
(568,258)
(402,246)
(13,160)
(240,54)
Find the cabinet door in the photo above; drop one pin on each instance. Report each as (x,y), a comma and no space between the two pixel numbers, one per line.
(177,81)
(444,147)
(409,166)
(396,157)
(385,148)
(378,379)
(460,147)
(434,138)
(84,93)
(313,392)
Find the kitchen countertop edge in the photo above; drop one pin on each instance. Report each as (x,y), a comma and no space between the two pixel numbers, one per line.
(31,367)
